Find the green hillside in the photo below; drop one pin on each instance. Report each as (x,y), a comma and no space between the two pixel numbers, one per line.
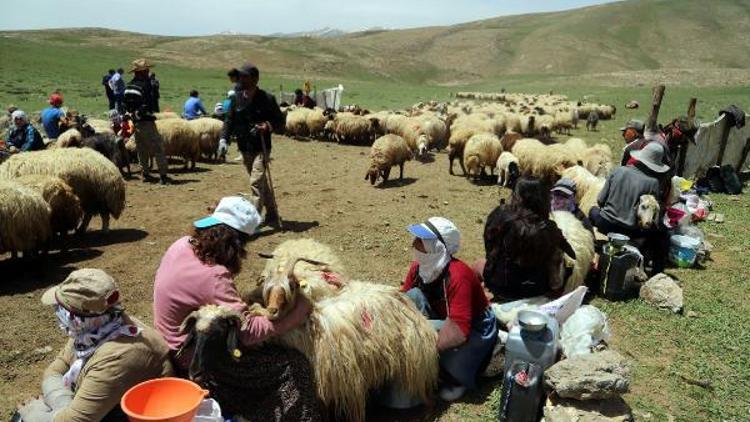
(624,36)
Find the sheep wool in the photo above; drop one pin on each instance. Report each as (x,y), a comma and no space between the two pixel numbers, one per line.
(94,179)
(24,218)
(65,207)
(504,163)
(208,131)
(588,186)
(386,152)
(339,334)
(179,140)
(481,151)
(69,139)
(582,242)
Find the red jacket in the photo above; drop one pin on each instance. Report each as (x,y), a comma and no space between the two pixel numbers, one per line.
(466,298)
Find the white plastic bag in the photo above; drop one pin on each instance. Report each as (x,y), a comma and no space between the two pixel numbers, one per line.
(586,328)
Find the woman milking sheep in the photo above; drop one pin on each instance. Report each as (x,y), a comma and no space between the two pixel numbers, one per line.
(451,296)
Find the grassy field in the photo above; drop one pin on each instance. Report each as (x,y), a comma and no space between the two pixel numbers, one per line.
(712,344)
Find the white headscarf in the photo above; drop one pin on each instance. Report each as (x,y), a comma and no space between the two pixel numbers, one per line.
(20,114)
(438,255)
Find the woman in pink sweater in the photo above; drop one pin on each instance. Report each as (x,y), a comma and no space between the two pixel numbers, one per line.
(198,270)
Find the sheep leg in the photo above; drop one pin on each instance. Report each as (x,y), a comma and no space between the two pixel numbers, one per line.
(450,162)
(401,171)
(84,223)
(105,222)
(14,255)
(386,173)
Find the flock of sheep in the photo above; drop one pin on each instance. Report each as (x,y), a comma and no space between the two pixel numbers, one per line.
(46,194)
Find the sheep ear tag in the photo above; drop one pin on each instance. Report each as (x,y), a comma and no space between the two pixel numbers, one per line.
(303,284)
(237,353)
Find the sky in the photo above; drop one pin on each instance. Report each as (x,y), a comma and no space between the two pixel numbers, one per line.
(203,17)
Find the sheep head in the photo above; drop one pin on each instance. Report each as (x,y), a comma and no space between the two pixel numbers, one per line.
(281,287)
(514,172)
(648,211)
(211,331)
(373,173)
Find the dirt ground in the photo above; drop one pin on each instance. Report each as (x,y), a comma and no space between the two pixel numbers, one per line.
(321,193)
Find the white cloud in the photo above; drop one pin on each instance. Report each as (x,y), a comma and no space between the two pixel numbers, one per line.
(197,17)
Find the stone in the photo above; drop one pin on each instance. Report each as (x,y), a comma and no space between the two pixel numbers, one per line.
(43,350)
(593,376)
(612,410)
(663,292)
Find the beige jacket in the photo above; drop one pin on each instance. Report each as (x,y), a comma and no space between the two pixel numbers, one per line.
(115,367)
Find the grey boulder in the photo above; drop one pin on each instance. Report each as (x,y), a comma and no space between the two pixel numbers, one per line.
(593,376)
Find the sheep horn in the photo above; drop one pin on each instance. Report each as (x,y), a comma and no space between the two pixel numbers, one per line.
(308,260)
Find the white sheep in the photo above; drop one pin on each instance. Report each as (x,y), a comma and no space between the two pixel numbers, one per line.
(179,140)
(296,121)
(481,151)
(543,161)
(65,207)
(94,179)
(340,334)
(24,218)
(507,169)
(386,152)
(582,242)
(208,130)
(588,186)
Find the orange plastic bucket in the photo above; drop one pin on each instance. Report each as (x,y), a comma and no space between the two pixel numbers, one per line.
(163,400)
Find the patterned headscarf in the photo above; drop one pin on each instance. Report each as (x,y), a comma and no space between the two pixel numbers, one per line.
(88,333)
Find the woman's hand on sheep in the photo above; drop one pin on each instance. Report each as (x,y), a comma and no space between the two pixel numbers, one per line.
(298,316)
(450,336)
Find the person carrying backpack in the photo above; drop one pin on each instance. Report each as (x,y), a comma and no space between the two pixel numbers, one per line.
(141,103)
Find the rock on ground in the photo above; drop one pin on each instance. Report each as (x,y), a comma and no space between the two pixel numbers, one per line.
(612,410)
(663,292)
(590,377)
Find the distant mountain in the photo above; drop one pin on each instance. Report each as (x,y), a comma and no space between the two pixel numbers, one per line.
(318,33)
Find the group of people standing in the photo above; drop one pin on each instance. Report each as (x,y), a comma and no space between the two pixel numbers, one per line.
(114,88)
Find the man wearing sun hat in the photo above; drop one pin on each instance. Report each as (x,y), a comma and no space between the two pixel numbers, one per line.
(620,197)
(451,296)
(108,352)
(141,102)
(199,270)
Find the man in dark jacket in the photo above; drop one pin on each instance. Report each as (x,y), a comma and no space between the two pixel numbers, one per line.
(107,90)
(141,102)
(252,116)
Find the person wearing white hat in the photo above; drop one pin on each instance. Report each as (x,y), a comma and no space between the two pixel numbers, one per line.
(107,353)
(23,136)
(199,269)
(620,197)
(448,293)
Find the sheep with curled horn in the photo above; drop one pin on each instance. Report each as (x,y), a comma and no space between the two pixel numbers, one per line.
(360,337)
(259,383)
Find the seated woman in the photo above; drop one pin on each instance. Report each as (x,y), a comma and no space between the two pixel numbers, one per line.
(23,136)
(107,354)
(448,292)
(523,247)
(198,270)
(563,198)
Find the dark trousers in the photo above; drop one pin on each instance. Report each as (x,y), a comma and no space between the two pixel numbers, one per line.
(111,99)
(655,243)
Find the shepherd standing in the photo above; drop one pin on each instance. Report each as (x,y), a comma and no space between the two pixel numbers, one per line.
(251,117)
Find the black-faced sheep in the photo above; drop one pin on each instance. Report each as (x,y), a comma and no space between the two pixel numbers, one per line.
(238,378)
(592,121)
(507,169)
(112,147)
(386,152)
(94,179)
